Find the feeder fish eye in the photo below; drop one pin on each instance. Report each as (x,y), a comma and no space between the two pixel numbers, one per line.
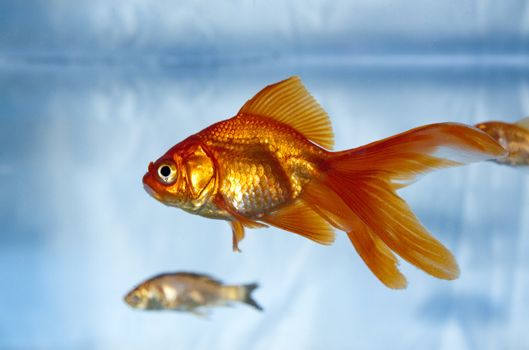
(167,173)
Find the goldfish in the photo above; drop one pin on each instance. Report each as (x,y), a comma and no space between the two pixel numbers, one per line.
(514,137)
(273,164)
(186,291)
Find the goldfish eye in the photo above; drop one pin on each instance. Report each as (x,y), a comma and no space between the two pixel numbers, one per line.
(167,173)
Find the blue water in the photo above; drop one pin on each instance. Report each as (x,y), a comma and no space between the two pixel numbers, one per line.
(78,230)
(91,92)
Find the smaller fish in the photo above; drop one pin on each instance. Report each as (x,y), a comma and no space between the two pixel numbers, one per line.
(514,137)
(186,291)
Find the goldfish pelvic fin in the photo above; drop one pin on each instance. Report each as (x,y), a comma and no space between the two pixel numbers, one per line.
(523,123)
(303,220)
(238,223)
(375,253)
(289,102)
(237,230)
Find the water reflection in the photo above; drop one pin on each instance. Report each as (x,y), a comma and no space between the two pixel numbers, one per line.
(473,308)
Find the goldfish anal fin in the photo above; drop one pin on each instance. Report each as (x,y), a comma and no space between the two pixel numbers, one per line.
(301,219)
(289,102)
(523,123)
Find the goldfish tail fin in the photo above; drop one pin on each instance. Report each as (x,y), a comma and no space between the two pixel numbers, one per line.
(247,298)
(400,159)
(356,192)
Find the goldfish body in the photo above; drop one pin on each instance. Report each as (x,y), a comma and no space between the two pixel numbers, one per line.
(513,137)
(271,164)
(183,291)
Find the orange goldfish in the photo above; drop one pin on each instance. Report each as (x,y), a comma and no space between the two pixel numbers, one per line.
(271,164)
(513,137)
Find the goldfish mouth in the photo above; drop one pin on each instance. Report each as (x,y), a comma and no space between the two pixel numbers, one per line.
(151,192)
(147,178)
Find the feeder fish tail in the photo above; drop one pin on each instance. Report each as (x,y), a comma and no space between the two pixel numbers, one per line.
(242,293)
(514,137)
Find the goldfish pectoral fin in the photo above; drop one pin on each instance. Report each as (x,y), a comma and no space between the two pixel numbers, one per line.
(378,257)
(289,102)
(523,123)
(238,234)
(303,220)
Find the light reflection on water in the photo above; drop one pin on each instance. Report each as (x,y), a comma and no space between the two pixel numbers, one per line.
(78,230)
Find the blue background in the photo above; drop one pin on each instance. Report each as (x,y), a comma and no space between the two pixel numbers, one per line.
(90,92)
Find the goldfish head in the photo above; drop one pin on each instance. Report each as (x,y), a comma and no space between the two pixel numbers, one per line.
(145,297)
(184,177)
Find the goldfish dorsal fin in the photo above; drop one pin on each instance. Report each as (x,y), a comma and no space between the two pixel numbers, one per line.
(289,102)
(523,123)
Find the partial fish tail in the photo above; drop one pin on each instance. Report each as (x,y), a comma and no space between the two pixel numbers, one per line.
(247,298)
(243,293)
(356,193)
